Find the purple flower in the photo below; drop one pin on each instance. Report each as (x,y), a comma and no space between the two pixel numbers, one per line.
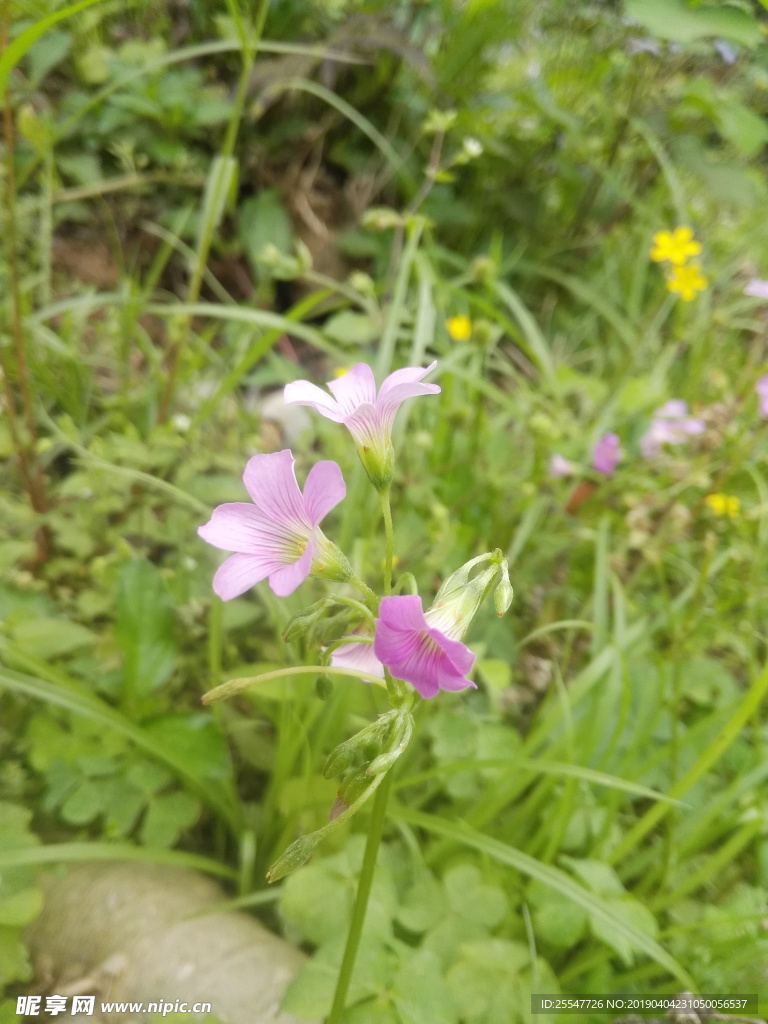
(560,467)
(757,289)
(368,416)
(419,653)
(670,424)
(761,388)
(277,537)
(605,454)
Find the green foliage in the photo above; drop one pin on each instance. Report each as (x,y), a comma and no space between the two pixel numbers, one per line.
(190,208)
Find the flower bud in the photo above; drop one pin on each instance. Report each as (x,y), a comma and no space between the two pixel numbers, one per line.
(324,686)
(503,594)
(303,621)
(361,748)
(462,593)
(399,740)
(295,856)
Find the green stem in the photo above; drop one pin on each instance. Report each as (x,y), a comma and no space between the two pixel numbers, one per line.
(390,540)
(375,829)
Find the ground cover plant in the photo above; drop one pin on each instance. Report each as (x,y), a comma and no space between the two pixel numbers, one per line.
(557,209)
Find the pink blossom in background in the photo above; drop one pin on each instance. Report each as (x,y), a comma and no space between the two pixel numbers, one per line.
(761,388)
(278,535)
(560,467)
(670,424)
(358,656)
(757,289)
(606,454)
(420,654)
(354,402)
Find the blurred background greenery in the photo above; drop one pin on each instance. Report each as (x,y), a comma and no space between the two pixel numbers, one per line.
(204,201)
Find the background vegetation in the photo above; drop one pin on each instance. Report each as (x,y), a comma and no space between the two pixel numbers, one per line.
(204,202)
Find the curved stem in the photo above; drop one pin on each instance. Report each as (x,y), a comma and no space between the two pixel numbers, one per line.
(364,882)
(390,540)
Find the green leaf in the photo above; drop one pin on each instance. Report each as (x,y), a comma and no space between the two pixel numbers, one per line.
(46,54)
(263,220)
(423,904)
(194,741)
(85,804)
(560,924)
(349,328)
(683,23)
(632,912)
(51,638)
(144,629)
(471,898)
(552,877)
(318,901)
(601,878)
(21,907)
(14,962)
(485,981)
(420,991)
(168,815)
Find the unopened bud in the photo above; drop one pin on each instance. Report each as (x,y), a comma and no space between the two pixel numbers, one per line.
(295,856)
(353,786)
(503,594)
(381,218)
(324,686)
(401,737)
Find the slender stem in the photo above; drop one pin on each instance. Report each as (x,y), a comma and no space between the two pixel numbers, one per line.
(390,540)
(364,882)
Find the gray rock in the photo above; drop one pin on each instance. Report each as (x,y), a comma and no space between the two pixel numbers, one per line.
(144,932)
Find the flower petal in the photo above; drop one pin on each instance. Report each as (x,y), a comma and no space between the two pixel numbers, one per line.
(303,392)
(457,653)
(403,612)
(358,656)
(241,572)
(271,483)
(354,388)
(323,490)
(288,577)
(401,385)
(237,526)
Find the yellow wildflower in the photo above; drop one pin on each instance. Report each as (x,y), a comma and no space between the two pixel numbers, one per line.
(341,370)
(459,328)
(687,281)
(724,504)
(674,246)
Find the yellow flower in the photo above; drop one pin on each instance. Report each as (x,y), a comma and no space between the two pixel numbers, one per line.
(341,370)
(724,504)
(687,281)
(674,246)
(459,328)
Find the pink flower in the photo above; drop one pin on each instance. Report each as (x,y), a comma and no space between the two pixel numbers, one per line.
(757,289)
(761,387)
(560,467)
(417,652)
(670,424)
(368,416)
(605,454)
(277,537)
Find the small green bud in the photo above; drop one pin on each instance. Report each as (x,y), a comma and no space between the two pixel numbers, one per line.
(503,594)
(400,738)
(360,748)
(381,218)
(302,622)
(324,686)
(330,562)
(297,854)
(354,785)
